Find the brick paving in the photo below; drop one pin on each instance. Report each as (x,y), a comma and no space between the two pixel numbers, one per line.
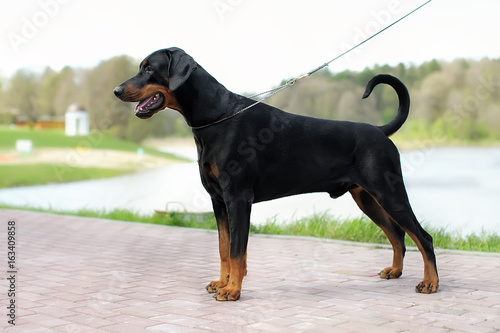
(93,275)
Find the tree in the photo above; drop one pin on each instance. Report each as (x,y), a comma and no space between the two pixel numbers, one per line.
(432,97)
(428,68)
(22,94)
(48,87)
(5,116)
(461,98)
(67,91)
(347,105)
(105,110)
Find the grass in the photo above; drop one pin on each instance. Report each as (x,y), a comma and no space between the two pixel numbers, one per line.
(40,174)
(323,226)
(363,230)
(58,139)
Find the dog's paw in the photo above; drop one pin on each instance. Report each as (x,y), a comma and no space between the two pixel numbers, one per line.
(213,286)
(227,294)
(427,287)
(390,273)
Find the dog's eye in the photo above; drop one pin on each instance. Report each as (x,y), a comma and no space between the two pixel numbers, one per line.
(149,70)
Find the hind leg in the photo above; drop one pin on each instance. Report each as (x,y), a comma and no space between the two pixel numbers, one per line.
(394,200)
(394,233)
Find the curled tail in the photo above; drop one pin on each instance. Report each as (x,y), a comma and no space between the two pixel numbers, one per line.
(404,101)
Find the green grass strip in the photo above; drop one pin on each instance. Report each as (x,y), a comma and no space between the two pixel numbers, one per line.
(323,226)
(363,230)
(58,139)
(41,174)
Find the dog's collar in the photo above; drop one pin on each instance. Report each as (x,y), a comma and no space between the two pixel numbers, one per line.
(225,118)
(269,92)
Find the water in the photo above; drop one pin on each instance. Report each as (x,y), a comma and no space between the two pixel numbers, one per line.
(455,188)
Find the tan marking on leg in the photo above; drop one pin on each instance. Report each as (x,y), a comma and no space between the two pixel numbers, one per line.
(225,268)
(246,270)
(232,291)
(214,170)
(430,283)
(396,270)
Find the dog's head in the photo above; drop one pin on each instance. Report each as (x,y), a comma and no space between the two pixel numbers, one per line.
(160,74)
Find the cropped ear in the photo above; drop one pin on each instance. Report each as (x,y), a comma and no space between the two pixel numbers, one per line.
(181,65)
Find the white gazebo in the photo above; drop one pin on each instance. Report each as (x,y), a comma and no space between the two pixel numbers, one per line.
(76,121)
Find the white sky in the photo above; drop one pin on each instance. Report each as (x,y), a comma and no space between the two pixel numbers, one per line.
(248,45)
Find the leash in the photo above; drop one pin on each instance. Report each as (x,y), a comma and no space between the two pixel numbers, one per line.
(292,81)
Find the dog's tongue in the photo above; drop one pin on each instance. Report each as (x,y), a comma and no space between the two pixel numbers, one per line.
(142,106)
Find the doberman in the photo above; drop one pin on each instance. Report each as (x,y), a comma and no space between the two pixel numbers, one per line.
(265,153)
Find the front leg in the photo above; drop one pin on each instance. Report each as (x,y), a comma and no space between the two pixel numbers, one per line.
(239,225)
(224,247)
(232,291)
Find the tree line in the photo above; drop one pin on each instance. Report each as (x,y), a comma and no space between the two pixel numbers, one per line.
(30,96)
(460,98)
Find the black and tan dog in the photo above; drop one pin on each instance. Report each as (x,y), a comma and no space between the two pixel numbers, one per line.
(264,153)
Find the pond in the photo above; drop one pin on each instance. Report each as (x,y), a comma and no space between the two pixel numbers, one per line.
(455,188)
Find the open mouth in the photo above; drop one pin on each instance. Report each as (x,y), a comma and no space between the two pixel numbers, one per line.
(149,106)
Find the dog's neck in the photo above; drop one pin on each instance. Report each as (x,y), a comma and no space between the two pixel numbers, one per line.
(205,108)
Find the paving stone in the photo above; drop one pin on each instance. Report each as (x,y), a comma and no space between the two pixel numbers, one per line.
(94,275)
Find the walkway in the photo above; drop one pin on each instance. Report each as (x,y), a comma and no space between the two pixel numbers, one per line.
(91,275)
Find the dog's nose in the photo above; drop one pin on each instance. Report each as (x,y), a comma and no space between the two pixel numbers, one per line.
(118,91)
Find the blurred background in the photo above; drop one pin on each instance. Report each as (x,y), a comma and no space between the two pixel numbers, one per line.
(62,59)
